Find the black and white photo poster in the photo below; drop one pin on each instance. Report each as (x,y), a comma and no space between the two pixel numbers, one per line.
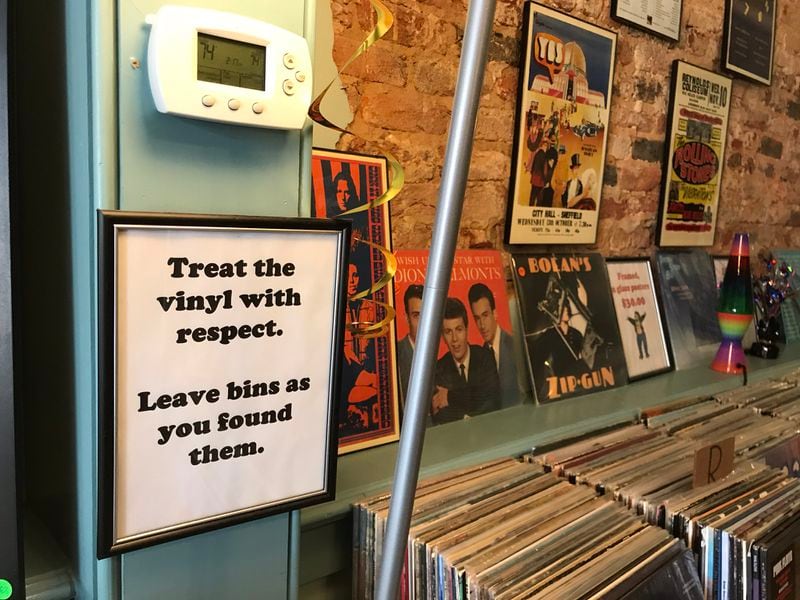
(223,356)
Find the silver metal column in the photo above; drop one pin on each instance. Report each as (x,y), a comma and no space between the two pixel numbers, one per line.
(480,16)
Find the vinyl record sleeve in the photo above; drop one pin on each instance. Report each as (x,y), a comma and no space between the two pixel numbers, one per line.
(570,327)
(689,299)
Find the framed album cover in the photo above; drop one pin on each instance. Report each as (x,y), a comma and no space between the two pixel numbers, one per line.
(748,39)
(639,317)
(561,131)
(689,298)
(477,293)
(658,17)
(207,415)
(695,153)
(570,328)
(342,183)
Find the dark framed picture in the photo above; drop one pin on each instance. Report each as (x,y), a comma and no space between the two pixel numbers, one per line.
(343,183)
(571,336)
(661,18)
(639,317)
(220,357)
(688,294)
(748,39)
(697,130)
(561,131)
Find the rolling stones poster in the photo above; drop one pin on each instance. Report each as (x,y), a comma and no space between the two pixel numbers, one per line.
(561,134)
(478,283)
(570,327)
(699,107)
(341,181)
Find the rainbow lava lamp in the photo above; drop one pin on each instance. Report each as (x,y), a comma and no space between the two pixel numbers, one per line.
(735,310)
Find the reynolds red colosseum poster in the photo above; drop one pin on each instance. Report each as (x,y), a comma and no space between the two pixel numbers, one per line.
(699,107)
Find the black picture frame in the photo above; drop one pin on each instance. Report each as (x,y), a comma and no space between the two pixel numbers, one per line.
(521,232)
(110,224)
(745,40)
(688,298)
(679,238)
(662,325)
(615,14)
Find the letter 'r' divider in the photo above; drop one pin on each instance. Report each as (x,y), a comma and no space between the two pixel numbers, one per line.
(480,16)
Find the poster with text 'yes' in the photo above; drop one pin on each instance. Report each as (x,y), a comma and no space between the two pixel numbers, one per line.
(224,357)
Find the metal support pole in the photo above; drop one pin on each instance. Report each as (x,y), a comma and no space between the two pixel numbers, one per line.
(480,17)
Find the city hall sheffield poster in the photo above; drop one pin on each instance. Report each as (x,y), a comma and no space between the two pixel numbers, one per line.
(561,131)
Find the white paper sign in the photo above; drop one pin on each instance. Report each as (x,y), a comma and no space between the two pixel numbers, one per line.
(224,369)
(659,16)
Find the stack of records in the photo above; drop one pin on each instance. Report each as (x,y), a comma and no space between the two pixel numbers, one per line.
(635,464)
(754,434)
(750,394)
(744,528)
(508,530)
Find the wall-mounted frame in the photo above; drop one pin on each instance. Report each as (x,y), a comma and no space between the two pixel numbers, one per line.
(748,39)
(639,317)
(220,356)
(699,106)
(561,131)
(657,17)
(340,182)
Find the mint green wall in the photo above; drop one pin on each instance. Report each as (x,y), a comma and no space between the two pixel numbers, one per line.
(123,154)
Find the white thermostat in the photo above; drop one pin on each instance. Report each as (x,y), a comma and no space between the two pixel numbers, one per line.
(209,64)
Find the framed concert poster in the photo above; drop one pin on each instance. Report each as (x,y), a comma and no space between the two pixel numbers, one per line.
(695,152)
(639,317)
(748,39)
(342,183)
(658,17)
(561,131)
(571,336)
(219,367)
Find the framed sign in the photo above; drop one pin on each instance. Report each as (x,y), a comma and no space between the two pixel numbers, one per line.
(748,39)
(219,369)
(659,17)
(342,181)
(561,133)
(695,152)
(639,318)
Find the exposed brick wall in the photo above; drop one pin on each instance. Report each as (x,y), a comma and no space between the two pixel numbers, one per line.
(401,94)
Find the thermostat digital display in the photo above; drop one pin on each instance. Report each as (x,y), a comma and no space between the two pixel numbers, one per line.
(219,66)
(240,64)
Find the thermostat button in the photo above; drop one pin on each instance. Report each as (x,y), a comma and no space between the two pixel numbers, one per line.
(234,104)
(289,61)
(289,87)
(208,100)
(300,76)
(258,108)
